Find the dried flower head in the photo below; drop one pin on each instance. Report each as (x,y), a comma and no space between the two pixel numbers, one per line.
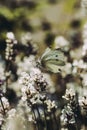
(83,102)
(32,84)
(69,95)
(50,105)
(67,116)
(4,105)
(10,42)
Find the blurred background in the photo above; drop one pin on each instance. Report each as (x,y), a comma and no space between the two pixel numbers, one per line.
(27,28)
(45,19)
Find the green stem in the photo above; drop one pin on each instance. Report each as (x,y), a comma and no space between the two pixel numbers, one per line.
(56,122)
(2,106)
(45,115)
(35,119)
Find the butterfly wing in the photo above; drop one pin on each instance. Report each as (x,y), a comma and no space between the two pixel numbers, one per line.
(55,62)
(52,60)
(53,68)
(46,53)
(53,55)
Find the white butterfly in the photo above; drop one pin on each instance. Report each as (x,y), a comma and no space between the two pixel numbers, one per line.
(52,60)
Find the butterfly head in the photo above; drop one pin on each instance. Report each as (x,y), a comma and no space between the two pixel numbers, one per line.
(38,63)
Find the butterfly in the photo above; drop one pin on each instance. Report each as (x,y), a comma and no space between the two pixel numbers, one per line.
(52,60)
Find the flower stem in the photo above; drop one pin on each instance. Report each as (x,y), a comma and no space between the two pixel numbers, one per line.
(35,119)
(45,115)
(56,122)
(2,106)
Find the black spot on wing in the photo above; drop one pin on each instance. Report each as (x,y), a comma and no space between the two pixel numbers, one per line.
(56,55)
(59,70)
